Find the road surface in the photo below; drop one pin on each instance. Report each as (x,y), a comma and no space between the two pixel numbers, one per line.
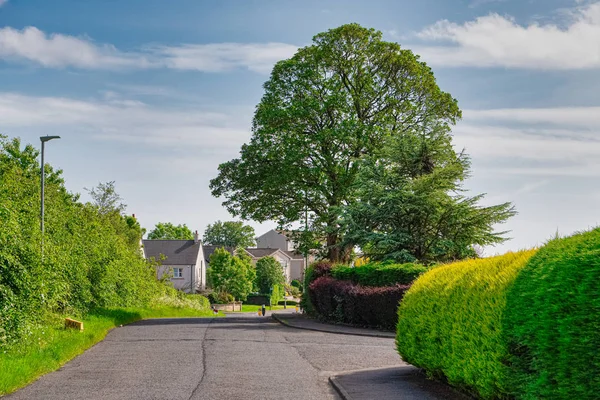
(240,357)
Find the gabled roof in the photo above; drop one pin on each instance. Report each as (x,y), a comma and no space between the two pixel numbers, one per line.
(208,250)
(294,255)
(177,252)
(264,252)
(260,252)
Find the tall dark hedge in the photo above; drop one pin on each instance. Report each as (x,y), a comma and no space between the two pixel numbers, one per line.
(553,322)
(344,301)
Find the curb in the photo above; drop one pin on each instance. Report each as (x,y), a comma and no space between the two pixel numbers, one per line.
(374,334)
(333,380)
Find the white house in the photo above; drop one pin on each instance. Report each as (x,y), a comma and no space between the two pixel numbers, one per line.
(291,263)
(281,240)
(183,258)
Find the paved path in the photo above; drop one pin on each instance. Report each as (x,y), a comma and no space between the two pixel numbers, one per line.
(238,357)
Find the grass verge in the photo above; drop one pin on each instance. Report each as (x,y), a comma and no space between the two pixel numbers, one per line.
(255,309)
(49,345)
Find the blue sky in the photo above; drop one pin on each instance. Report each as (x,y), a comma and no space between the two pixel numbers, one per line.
(155,94)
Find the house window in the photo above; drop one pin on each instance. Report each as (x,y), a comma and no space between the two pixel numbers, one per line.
(177,272)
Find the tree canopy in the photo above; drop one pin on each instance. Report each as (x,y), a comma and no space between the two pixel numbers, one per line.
(412,206)
(105,197)
(169,231)
(268,274)
(332,104)
(231,274)
(229,234)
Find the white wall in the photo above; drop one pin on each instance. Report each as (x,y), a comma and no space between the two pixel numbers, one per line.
(296,270)
(184,283)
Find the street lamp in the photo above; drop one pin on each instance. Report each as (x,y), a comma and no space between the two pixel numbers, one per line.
(43,139)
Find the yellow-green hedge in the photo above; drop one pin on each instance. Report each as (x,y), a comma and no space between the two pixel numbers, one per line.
(450,322)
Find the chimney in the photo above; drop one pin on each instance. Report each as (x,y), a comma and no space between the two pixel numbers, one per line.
(196,237)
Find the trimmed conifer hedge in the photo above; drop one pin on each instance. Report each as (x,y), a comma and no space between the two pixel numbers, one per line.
(553,321)
(450,322)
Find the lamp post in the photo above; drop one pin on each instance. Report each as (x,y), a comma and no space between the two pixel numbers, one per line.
(43,139)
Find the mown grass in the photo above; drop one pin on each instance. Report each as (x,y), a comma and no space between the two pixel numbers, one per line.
(50,345)
(254,309)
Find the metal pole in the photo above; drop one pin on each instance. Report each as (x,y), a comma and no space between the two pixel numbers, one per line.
(42,200)
(43,139)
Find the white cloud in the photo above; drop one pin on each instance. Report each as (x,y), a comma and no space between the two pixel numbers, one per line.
(545,141)
(123,120)
(3,2)
(215,57)
(499,41)
(59,51)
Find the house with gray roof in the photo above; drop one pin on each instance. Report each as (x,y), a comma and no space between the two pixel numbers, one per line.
(184,260)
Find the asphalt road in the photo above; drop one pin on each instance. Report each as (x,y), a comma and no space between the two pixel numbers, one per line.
(242,357)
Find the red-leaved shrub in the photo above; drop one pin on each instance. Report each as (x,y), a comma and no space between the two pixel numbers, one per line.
(343,301)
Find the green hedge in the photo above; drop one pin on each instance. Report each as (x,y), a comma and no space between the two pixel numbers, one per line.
(553,326)
(450,322)
(379,274)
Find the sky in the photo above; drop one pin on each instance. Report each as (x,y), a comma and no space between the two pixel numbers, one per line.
(155,94)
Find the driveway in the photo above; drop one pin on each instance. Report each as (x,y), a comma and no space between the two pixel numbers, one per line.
(238,357)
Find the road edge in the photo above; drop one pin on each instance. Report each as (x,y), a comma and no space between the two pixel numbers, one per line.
(284,322)
(339,388)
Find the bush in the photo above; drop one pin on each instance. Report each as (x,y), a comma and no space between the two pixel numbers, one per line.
(450,322)
(343,301)
(379,274)
(287,302)
(258,299)
(277,294)
(553,327)
(314,271)
(297,284)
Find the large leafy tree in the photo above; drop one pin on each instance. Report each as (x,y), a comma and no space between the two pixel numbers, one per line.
(412,206)
(229,234)
(231,274)
(169,231)
(332,104)
(268,274)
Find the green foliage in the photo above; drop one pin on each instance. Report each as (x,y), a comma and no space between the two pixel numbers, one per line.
(268,274)
(296,283)
(553,321)
(231,274)
(106,199)
(379,274)
(411,208)
(168,231)
(324,110)
(91,256)
(277,293)
(450,322)
(232,234)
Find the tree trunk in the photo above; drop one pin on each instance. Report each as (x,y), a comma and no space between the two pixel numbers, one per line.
(333,248)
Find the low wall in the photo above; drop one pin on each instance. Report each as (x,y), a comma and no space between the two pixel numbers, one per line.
(231,307)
